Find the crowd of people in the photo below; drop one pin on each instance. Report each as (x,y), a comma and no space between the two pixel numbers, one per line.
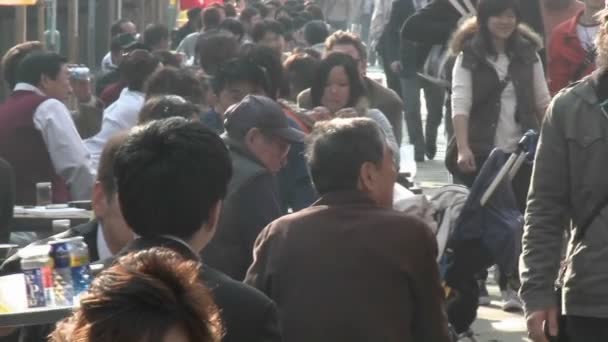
(242,168)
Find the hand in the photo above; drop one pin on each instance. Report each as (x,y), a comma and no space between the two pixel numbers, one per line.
(82,90)
(536,321)
(347,113)
(396,67)
(320,114)
(466,160)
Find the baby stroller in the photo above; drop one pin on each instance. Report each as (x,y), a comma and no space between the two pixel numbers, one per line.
(474,228)
(486,232)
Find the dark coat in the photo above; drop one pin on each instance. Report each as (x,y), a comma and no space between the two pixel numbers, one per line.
(246,313)
(407,52)
(252,202)
(346,269)
(87,230)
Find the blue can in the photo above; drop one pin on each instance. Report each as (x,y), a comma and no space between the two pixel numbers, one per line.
(62,273)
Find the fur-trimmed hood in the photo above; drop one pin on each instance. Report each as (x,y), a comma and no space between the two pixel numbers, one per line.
(468,29)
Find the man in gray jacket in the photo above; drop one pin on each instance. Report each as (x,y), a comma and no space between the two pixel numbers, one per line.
(258,137)
(569,184)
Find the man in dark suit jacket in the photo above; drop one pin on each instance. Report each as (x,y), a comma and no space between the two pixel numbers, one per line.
(172,176)
(350,268)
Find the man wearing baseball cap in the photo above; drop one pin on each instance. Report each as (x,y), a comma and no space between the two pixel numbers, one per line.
(258,137)
(569,186)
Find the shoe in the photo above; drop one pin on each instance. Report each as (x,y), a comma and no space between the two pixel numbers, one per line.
(484,296)
(511,301)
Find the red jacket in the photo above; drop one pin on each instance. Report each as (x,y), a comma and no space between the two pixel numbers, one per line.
(566,56)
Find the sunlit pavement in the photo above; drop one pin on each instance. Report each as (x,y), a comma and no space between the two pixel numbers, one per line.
(493,324)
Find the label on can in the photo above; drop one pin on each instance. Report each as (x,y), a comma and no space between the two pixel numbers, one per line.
(35,287)
(47,283)
(63,287)
(60,253)
(81,277)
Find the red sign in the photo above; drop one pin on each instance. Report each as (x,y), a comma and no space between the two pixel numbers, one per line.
(188,4)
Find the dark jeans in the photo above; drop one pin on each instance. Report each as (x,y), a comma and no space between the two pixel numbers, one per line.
(434,97)
(587,329)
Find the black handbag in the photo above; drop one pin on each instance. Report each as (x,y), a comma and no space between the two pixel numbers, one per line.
(580,234)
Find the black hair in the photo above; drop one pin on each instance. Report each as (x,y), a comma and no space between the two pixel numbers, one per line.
(300,70)
(315,11)
(491,8)
(212,18)
(286,25)
(116,27)
(282,9)
(136,67)
(154,34)
(240,70)
(262,9)
(167,106)
(270,62)
(315,32)
(174,81)
(36,64)
(194,13)
(301,19)
(265,26)
(233,26)
(168,58)
(336,59)
(170,174)
(230,11)
(214,48)
(336,150)
(248,13)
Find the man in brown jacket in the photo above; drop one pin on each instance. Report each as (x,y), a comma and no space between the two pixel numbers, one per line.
(350,268)
(379,97)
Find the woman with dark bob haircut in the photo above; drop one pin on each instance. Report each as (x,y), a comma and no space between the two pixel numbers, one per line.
(338,91)
(337,84)
(148,296)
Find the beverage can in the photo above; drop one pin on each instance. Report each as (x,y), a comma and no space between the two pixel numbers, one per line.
(62,273)
(37,269)
(81,272)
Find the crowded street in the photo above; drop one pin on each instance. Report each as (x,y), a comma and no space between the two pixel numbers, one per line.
(303,170)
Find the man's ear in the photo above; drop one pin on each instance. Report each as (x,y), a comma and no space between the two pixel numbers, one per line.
(252,136)
(367,177)
(98,200)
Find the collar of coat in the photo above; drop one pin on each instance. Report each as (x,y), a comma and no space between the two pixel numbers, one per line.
(345,197)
